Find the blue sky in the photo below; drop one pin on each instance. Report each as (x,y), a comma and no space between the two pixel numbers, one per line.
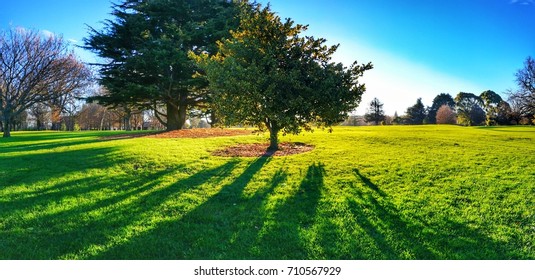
(419,48)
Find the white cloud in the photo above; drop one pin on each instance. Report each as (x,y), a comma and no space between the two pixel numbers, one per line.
(47,33)
(72,41)
(523,2)
(21,29)
(398,82)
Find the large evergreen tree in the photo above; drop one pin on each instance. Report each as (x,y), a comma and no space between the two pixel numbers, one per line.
(375,112)
(469,111)
(416,113)
(145,51)
(490,101)
(270,76)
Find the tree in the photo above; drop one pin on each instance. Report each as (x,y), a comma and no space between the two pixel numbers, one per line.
(524,97)
(490,101)
(439,101)
(93,116)
(34,69)
(375,112)
(504,113)
(469,110)
(477,115)
(268,76)
(445,115)
(146,51)
(519,113)
(416,113)
(41,114)
(396,119)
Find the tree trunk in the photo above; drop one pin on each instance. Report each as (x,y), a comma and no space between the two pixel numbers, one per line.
(172,117)
(102,118)
(127,117)
(273,136)
(7,129)
(38,123)
(182,115)
(213,121)
(273,140)
(176,116)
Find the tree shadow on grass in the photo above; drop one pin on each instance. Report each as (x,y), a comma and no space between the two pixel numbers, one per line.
(208,231)
(84,230)
(30,169)
(300,225)
(204,216)
(231,225)
(390,234)
(287,226)
(30,142)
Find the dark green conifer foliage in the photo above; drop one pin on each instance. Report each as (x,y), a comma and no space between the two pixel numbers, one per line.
(270,76)
(145,54)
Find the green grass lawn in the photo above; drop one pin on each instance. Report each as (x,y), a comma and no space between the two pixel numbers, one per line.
(402,192)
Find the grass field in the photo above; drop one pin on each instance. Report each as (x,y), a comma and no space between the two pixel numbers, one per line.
(403,192)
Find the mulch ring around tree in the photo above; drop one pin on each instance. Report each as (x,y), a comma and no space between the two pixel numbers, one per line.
(261,150)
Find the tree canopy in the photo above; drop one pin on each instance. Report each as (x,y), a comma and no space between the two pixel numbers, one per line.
(375,112)
(146,54)
(416,113)
(439,101)
(524,97)
(490,101)
(469,111)
(269,76)
(445,115)
(35,69)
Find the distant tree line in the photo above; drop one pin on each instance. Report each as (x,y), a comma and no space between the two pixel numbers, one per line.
(176,64)
(487,108)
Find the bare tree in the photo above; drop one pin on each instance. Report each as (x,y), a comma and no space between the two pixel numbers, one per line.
(41,113)
(523,99)
(93,116)
(34,69)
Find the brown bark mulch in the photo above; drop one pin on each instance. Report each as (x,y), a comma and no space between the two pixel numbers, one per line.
(261,150)
(201,133)
(183,133)
(241,150)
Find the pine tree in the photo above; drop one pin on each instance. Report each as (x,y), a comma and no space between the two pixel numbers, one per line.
(375,112)
(416,113)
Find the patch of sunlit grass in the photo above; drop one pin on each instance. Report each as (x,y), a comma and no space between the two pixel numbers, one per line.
(403,192)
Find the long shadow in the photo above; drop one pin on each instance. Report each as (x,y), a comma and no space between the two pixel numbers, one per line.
(196,217)
(4,152)
(224,224)
(30,142)
(368,182)
(32,168)
(80,231)
(288,224)
(232,226)
(395,236)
